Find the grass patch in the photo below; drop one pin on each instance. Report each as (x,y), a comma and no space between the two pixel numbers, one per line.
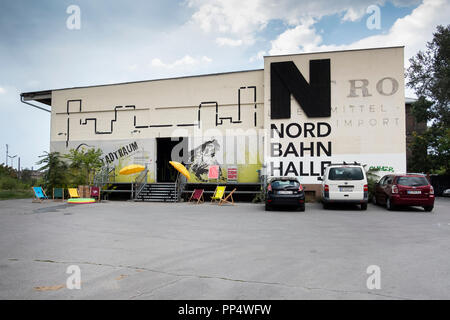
(15,194)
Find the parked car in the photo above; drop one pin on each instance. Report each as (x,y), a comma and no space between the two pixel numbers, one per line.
(404,190)
(446,193)
(285,191)
(344,183)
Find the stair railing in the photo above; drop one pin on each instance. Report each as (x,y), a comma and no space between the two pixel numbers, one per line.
(103,176)
(140,182)
(180,183)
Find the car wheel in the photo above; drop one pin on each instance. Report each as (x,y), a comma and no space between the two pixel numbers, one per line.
(325,205)
(389,205)
(301,208)
(363,206)
(374,200)
(268,207)
(428,208)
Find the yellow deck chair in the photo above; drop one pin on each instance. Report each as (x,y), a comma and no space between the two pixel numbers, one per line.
(218,194)
(73,192)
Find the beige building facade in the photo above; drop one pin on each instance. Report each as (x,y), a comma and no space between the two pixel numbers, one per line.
(295,116)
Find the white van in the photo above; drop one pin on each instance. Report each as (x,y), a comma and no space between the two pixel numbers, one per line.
(344,183)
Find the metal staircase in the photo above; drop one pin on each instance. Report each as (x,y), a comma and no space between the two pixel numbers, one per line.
(104,176)
(158,192)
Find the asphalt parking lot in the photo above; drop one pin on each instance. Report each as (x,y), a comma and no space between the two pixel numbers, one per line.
(128,250)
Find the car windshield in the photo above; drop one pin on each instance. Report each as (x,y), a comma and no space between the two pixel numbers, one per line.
(346,173)
(284,184)
(412,181)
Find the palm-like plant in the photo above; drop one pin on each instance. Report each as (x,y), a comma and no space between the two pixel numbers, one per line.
(84,164)
(55,170)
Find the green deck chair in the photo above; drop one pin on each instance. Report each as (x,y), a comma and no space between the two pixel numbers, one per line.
(58,194)
(218,194)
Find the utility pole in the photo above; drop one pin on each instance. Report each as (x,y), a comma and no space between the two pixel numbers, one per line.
(10,157)
(12,160)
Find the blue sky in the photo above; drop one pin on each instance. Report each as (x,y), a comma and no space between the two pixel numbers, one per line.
(122,41)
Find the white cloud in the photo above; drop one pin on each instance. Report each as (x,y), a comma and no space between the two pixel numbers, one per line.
(302,37)
(243,19)
(157,63)
(234,16)
(352,14)
(413,31)
(228,42)
(187,60)
(206,59)
(2,90)
(259,56)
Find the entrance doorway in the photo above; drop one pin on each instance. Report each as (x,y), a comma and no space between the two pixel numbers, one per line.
(164,170)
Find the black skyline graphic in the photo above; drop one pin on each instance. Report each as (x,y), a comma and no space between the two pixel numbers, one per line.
(235,119)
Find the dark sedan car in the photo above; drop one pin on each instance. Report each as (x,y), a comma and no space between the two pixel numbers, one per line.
(285,191)
(404,190)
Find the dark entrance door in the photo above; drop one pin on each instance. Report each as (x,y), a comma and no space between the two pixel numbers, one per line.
(165,172)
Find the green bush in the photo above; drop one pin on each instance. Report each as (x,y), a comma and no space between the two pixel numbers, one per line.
(372,179)
(78,167)
(15,194)
(9,183)
(11,187)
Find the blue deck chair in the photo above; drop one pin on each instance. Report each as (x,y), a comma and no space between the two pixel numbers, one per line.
(39,194)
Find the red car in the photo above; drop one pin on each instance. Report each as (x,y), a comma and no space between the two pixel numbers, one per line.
(404,190)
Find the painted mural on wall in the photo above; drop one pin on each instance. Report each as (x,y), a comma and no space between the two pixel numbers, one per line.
(242,154)
(210,151)
(202,157)
(118,154)
(75,106)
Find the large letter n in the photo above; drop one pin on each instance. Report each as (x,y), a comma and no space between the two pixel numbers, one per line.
(314,98)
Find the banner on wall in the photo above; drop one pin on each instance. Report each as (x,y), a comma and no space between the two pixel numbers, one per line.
(118,154)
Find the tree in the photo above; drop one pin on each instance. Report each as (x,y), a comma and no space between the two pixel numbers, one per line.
(26,176)
(84,163)
(6,171)
(429,76)
(54,169)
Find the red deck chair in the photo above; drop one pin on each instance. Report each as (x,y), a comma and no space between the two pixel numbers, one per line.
(95,193)
(197,196)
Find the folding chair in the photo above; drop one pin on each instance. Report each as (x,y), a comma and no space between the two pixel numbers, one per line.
(95,193)
(225,200)
(218,194)
(58,194)
(197,196)
(73,193)
(39,194)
